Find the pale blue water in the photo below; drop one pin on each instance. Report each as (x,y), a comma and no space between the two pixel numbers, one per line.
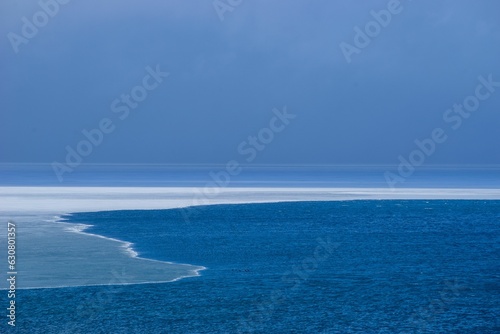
(255,176)
(304,267)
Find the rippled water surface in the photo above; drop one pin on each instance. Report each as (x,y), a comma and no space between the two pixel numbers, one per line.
(304,267)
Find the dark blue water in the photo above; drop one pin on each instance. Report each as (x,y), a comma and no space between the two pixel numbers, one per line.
(308,267)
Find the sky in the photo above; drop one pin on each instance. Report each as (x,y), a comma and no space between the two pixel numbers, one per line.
(312,82)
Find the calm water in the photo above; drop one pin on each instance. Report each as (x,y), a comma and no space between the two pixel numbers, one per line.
(255,176)
(307,267)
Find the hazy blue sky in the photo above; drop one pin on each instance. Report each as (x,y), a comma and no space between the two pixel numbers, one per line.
(227,76)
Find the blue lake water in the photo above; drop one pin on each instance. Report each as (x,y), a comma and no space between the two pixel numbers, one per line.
(303,267)
(255,176)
